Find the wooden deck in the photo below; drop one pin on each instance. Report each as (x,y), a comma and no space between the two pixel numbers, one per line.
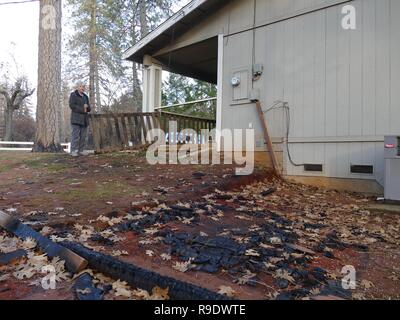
(122,131)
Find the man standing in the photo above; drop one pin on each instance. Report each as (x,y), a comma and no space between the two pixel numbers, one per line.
(79,104)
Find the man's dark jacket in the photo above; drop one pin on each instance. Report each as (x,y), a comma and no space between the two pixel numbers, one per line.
(76,103)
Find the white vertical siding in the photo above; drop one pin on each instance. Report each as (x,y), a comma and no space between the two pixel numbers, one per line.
(382,65)
(394,9)
(331,38)
(339,83)
(356,75)
(319,75)
(369,66)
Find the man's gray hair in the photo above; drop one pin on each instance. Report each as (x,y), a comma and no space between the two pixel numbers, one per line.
(80,83)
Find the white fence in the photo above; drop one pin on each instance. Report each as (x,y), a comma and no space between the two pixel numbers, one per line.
(23,146)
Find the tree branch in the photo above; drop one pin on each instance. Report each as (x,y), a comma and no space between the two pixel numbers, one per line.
(22,97)
(5,94)
(14,95)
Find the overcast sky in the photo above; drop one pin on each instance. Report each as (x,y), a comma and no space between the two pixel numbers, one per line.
(19,32)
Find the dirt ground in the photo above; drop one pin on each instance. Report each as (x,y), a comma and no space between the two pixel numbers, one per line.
(106,201)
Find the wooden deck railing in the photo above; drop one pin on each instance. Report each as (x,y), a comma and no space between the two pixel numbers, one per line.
(120,131)
(184,122)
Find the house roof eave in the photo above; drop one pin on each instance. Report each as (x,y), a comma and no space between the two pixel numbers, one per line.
(151,42)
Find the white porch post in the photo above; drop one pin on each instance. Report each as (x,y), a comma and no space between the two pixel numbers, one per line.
(152,78)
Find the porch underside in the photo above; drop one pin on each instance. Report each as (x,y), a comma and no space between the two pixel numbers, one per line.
(198,61)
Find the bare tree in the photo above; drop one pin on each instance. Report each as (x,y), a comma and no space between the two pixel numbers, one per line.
(49,78)
(14,98)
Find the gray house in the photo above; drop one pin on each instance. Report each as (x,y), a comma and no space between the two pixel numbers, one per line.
(335,63)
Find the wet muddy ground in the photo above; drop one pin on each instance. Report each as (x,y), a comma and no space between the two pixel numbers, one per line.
(250,237)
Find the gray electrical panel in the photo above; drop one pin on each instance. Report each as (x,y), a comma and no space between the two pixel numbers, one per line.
(392,168)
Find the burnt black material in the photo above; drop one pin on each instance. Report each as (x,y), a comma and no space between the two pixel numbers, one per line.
(282,283)
(329,255)
(51,248)
(99,238)
(268,191)
(85,283)
(6,258)
(308,225)
(141,278)
(293,294)
(212,254)
(208,253)
(319,274)
(198,174)
(162,216)
(334,288)
(240,250)
(332,241)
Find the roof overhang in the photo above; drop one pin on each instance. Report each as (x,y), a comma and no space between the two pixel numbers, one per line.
(172,28)
(199,60)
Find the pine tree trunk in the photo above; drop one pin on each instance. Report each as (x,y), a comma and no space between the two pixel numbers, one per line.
(93,55)
(144,29)
(137,91)
(49,78)
(97,77)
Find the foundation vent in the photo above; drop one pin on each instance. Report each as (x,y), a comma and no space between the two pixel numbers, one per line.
(313,167)
(362,169)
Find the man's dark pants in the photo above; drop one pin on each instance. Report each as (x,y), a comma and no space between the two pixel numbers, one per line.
(78,138)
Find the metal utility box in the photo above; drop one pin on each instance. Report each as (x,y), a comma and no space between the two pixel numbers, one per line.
(392,168)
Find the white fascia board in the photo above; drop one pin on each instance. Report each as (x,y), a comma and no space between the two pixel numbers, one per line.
(190,7)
